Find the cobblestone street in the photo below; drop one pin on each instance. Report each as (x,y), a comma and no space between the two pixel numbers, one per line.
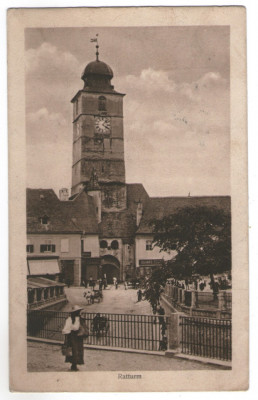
(46,357)
(114,301)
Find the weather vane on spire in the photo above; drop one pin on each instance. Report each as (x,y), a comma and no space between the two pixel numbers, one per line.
(97,45)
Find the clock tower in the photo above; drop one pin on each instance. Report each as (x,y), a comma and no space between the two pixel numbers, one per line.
(98,138)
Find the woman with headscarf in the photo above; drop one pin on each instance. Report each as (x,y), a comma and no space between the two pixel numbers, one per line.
(73,339)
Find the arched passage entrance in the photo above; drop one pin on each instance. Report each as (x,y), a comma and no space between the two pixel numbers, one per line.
(110,267)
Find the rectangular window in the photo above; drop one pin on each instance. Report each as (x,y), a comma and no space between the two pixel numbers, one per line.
(64,245)
(148,244)
(47,248)
(30,248)
(87,254)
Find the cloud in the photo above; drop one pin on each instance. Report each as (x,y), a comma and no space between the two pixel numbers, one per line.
(44,115)
(52,77)
(163,104)
(47,63)
(49,166)
(44,126)
(181,128)
(209,83)
(151,81)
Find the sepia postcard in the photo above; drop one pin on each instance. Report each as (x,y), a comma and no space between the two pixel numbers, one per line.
(128,199)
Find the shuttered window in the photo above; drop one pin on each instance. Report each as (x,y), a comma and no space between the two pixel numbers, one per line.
(64,245)
(47,248)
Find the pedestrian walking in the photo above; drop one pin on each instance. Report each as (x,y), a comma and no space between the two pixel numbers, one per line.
(105,281)
(139,295)
(73,339)
(116,284)
(163,344)
(90,282)
(161,312)
(154,306)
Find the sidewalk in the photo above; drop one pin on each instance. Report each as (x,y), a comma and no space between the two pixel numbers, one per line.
(44,357)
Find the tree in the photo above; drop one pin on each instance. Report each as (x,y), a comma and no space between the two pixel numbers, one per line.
(201,237)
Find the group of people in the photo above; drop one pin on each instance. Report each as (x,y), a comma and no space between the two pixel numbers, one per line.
(91,283)
(75,329)
(102,283)
(203,284)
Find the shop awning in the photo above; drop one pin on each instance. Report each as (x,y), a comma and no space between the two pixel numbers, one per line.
(43,267)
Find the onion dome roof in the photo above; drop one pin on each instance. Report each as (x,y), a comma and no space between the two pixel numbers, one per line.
(98,68)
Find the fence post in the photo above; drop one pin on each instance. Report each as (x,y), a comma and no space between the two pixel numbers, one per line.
(222,300)
(193,299)
(174,331)
(183,296)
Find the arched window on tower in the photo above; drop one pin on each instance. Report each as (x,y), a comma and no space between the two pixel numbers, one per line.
(102,103)
(103,244)
(114,245)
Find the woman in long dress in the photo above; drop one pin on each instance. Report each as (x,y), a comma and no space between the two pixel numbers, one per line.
(72,340)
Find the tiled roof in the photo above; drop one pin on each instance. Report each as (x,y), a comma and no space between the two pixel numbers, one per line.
(159,207)
(136,193)
(74,216)
(78,215)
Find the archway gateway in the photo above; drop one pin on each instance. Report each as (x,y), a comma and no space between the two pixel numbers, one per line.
(110,267)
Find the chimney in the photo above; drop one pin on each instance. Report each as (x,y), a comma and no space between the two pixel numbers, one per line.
(63,194)
(139,213)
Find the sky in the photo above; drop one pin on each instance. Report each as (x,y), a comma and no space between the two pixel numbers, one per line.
(176,108)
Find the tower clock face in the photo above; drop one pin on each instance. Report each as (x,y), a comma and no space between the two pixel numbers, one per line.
(102,125)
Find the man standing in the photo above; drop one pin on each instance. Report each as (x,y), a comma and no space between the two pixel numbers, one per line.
(139,294)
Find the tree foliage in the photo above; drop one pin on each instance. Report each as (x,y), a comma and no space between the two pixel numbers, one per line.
(201,237)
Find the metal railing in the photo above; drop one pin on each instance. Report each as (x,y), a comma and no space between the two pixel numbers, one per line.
(198,303)
(206,337)
(47,301)
(140,332)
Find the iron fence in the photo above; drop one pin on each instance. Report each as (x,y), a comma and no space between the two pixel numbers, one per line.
(206,337)
(140,332)
(198,299)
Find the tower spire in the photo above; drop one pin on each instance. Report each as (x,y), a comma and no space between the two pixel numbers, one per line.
(97,46)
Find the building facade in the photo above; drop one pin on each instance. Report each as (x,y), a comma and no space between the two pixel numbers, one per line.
(103,229)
